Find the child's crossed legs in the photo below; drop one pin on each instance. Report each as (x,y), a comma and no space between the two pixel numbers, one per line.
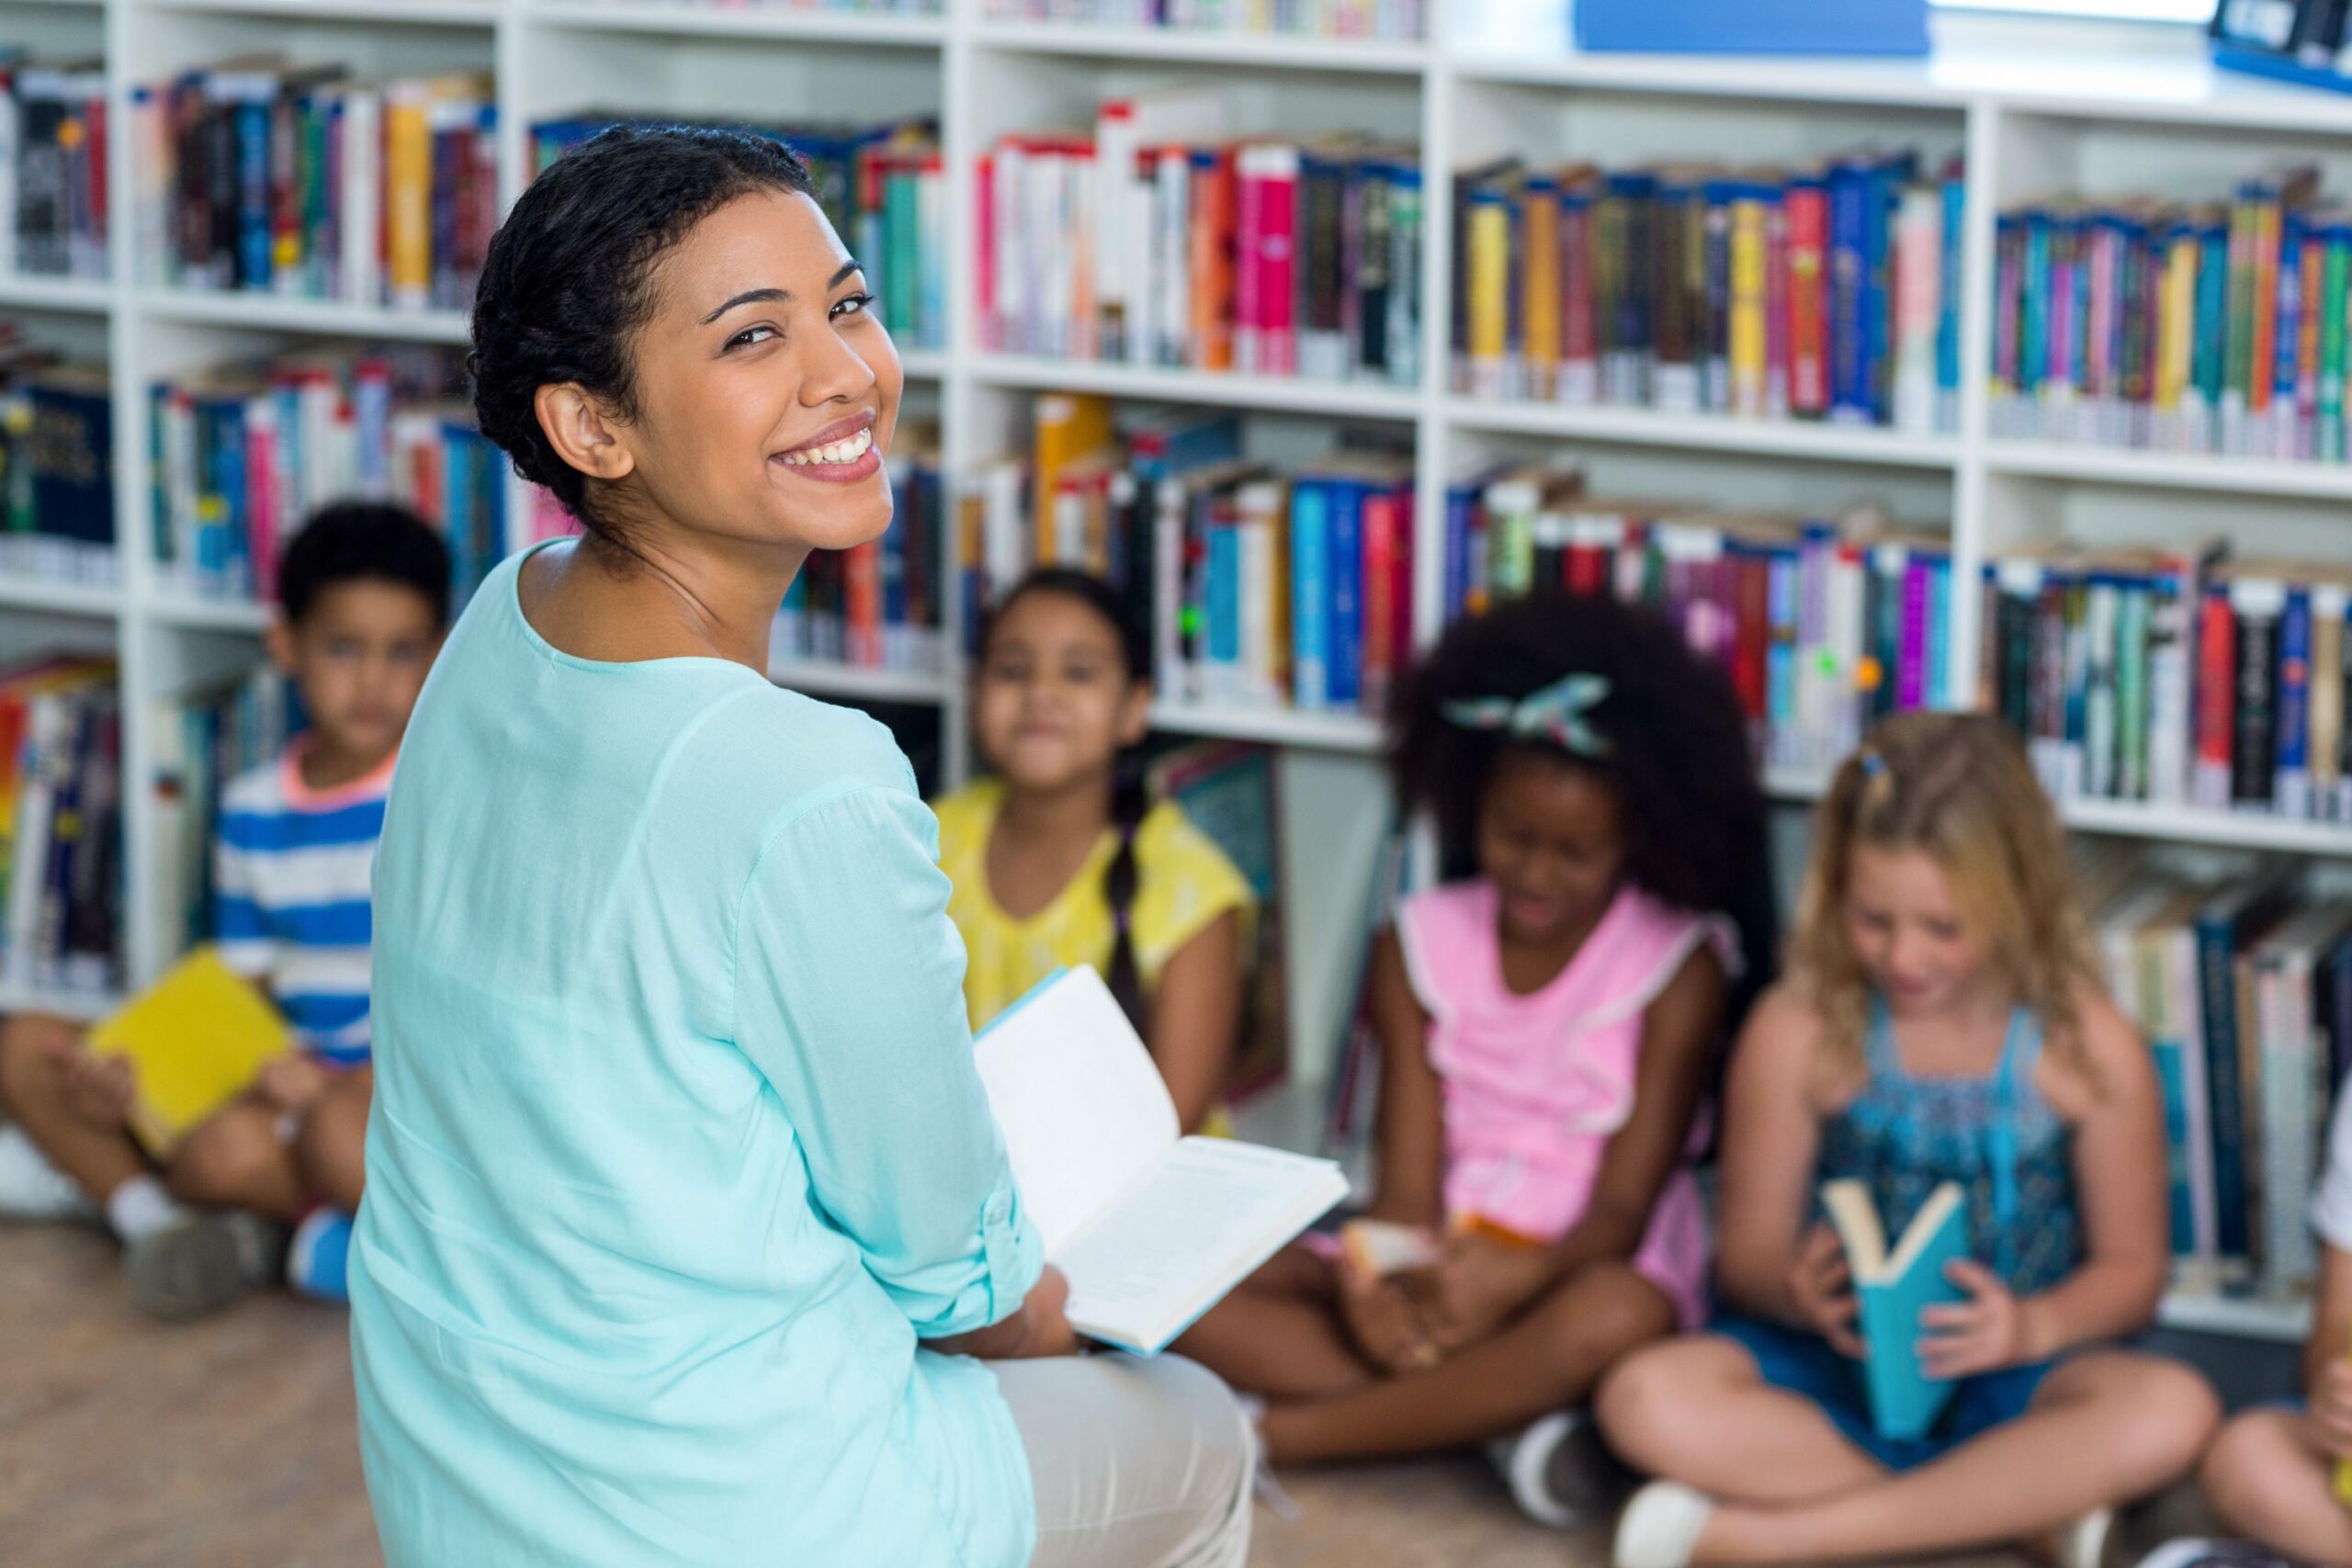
(298,1135)
(2270,1476)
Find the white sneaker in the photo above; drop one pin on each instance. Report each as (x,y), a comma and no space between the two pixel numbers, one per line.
(1661,1526)
(1557,1470)
(202,1262)
(31,1188)
(2083,1544)
(2194,1553)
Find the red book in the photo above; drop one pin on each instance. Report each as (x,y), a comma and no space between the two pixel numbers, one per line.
(1401,642)
(984,270)
(262,503)
(2216,694)
(1808,281)
(1278,261)
(1381,532)
(1752,637)
(862,613)
(1578,378)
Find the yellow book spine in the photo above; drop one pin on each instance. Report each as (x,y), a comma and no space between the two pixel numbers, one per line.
(1490,292)
(407,197)
(1747,352)
(2178,325)
(1540,271)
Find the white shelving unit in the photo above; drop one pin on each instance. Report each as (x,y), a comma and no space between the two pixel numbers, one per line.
(2104,121)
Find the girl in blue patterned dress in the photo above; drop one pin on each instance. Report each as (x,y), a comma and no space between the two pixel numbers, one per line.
(1942,1022)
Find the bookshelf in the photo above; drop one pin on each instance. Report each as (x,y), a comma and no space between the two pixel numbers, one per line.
(2129,110)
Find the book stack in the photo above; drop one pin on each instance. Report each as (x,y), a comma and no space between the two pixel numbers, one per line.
(1398,19)
(877,606)
(52,165)
(792,7)
(1261,587)
(1825,293)
(883,186)
(243,455)
(1825,625)
(1153,238)
(298,181)
(202,743)
(2174,676)
(56,466)
(2203,327)
(2244,989)
(60,812)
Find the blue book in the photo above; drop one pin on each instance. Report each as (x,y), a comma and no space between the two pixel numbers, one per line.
(2285,358)
(1848,220)
(2293,789)
(1884,179)
(252,195)
(1345,564)
(2229,922)
(1310,588)
(1892,1287)
(1948,315)
(2180,1200)
(1224,601)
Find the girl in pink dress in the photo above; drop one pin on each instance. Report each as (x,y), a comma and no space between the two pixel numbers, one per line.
(1548,1032)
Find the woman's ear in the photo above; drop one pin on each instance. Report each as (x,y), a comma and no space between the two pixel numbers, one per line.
(1134,715)
(580,432)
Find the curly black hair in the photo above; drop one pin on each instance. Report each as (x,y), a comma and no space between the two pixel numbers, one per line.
(363,541)
(1678,747)
(567,281)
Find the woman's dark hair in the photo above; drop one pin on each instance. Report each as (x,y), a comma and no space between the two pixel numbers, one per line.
(363,541)
(567,281)
(1129,797)
(1677,752)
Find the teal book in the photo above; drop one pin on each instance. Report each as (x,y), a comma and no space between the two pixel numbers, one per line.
(1893,1288)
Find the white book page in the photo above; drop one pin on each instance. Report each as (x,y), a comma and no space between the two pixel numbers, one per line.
(1083,1111)
(1209,1212)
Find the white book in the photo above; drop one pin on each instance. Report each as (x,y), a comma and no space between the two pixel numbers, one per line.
(359,235)
(1151,1229)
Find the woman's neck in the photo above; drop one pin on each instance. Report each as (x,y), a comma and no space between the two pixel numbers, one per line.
(661,594)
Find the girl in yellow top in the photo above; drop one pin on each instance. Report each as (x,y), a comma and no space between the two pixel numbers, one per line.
(1062,859)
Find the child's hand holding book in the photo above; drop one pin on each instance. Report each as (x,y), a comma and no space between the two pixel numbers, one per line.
(1983,1334)
(1481,1280)
(2331,1402)
(1820,1291)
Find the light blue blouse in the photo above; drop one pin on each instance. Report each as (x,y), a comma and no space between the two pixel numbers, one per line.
(677,1147)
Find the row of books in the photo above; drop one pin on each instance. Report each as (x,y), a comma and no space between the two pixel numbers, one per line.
(299,181)
(794,7)
(2176,676)
(240,456)
(1826,625)
(200,743)
(1398,19)
(2244,991)
(2208,327)
(52,164)
(60,812)
(879,606)
(56,465)
(1154,239)
(883,186)
(1826,293)
(1259,586)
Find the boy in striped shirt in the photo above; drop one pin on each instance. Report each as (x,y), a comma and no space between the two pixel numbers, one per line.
(364,589)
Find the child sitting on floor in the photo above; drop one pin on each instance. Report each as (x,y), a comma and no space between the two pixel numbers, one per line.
(1548,1033)
(1942,1022)
(366,595)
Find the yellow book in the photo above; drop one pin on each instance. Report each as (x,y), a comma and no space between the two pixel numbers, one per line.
(1540,271)
(1071,425)
(408,193)
(195,1039)
(1747,347)
(1489,280)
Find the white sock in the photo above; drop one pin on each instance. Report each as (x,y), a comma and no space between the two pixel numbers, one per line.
(140,1207)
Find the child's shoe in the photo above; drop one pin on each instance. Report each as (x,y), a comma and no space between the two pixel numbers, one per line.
(31,1188)
(2194,1553)
(1661,1526)
(201,1260)
(1559,1472)
(2083,1544)
(318,1260)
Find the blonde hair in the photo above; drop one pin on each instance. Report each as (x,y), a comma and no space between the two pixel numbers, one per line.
(1956,787)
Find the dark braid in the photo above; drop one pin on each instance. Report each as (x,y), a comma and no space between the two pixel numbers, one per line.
(1130,798)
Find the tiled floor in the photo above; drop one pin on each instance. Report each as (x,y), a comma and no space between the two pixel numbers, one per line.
(228,1444)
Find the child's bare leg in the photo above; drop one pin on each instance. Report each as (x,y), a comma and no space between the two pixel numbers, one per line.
(2104,1428)
(1698,1410)
(235,1159)
(1280,1333)
(98,1156)
(2268,1479)
(1546,1359)
(331,1150)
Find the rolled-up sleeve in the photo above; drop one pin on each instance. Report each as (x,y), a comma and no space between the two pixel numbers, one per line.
(849,997)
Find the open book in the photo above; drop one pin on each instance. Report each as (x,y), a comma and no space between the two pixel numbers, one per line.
(1152,1229)
(1892,1288)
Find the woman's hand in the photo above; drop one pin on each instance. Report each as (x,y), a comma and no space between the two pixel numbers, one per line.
(1383,1320)
(1819,1291)
(1983,1334)
(1040,1328)
(1481,1282)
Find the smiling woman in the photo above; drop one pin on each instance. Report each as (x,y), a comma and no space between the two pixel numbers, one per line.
(689,1237)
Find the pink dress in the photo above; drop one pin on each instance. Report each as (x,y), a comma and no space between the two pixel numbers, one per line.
(1535,1085)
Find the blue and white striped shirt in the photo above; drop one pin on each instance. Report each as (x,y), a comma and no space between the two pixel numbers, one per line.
(291,870)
